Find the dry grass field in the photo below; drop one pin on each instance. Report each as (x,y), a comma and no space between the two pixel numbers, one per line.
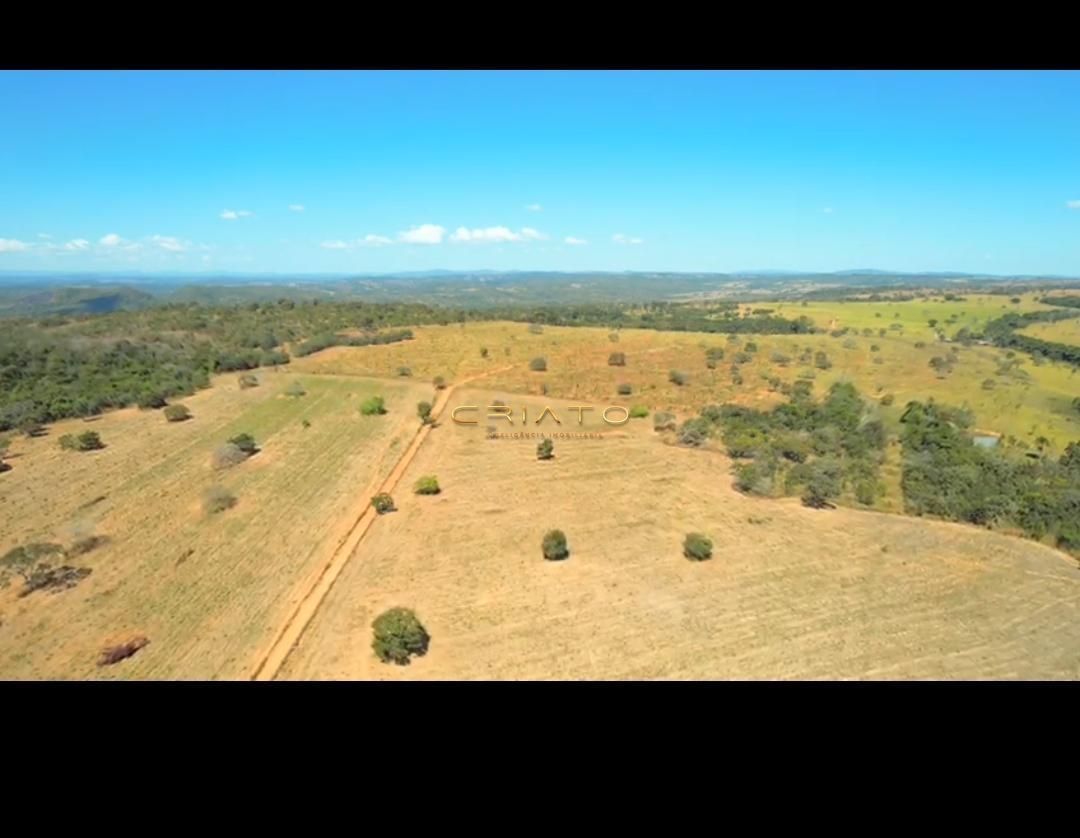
(1063,331)
(209,591)
(789,593)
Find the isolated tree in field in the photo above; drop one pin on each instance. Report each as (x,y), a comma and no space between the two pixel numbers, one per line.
(246,443)
(86,441)
(821,360)
(639,411)
(404,372)
(538,364)
(427,485)
(932,322)
(483,351)
(227,455)
(678,378)
(617,359)
(295,390)
(247,381)
(151,401)
(624,389)
(177,413)
(218,499)
(697,547)
(398,636)
(554,545)
(373,406)
(383,503)
(545,450)
(27,562)
(750,347)
(423,410)
(439,382)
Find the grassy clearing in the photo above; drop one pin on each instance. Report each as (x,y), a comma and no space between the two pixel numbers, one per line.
(208,590)
(788,593)
(1063,331)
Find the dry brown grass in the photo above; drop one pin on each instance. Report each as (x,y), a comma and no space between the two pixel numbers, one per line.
(799,594)
(211,591)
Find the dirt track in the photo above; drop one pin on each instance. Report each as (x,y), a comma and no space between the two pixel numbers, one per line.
(272,660)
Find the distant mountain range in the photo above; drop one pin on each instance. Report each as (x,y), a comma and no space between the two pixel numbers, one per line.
(29,293)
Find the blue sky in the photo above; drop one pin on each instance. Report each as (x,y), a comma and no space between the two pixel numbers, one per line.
(395,171)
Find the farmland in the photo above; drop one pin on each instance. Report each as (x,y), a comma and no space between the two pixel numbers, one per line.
(790,592)
(209,591)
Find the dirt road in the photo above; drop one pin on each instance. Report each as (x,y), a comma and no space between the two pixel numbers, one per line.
(270,663)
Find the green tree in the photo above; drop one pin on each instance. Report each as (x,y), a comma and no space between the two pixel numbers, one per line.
(404,372)
(427,485)
(373,406)
(538,364)
(697,547)
(439,382)
(398,636)
(545,450)
(383,503)
(246,443)
(423,410)
(624,389)
(247,381)
(678,378)
(639,411)
(617,359)
(554,545)
(177,413)
(295,390)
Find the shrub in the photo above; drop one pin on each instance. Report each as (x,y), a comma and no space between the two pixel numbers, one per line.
(613,337)
(177,413)
(398,636)
(617,359)
(483,351)
(428,485)
(383,503)
(678,378)
(218,499)
(248,381)
(305,424)
(697,547)
(538,364)
(875,348)
(821,360)
(404,372)
(295,390)
(246,443)
(86,441)
(423,410)
(545,450)
(624,389)
(639,411)
(750,346)
(865,492)
(989,384)
(887,399)
(755,478)
(439,382)
(373,406)
(151,401)
(780,358)
(663,421)
(227,455)
(694,432)
(554,545)
(742,357)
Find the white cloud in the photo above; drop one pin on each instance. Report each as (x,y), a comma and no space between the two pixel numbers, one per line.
(534,207)
(296,207)
(232,215)
(496,234)
(573,240)
(12,245)
(1073,204)
(424,234)
(170,243)
(371,240)
(622,238)
(111,240)
(77,244)
(335,245)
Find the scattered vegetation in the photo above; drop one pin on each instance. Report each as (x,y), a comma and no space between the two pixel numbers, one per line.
(678,378)
(697,547)
(398,636)
(383,503)
(554,545)
(545,450)
(624,389)
(423,410)
(639,411)
(35,565)
(86,441)
(427,485)
(617,359)
(374,406)
(538,364)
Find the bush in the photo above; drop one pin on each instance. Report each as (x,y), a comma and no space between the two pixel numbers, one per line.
(678,378)
(248,381)
(404,372)
(697,547)
(177,413)
(295,390)
(218,499)
(151,401)
(398,636)
(554,546)
(538,364)
(639,411)
(613,337)
(439,382)
(617,359)
(483,352)
(373,406)
(875,348)
(423,410)
(86,441)
(694,432)
(750,347)
(624,389)
(383,503)
(821,360)
(663,421)
(227,455)
(545,450)
(246,443)
(865,492)
(428,485)
(887,399)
